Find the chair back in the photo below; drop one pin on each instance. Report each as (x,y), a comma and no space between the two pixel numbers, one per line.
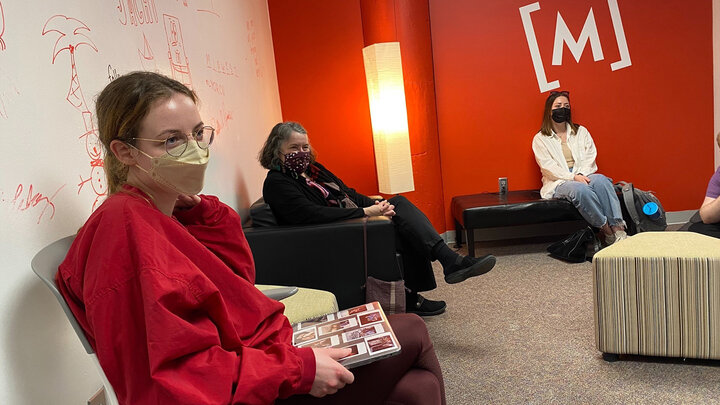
(45,265)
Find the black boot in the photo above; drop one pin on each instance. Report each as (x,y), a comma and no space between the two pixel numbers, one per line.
(466,267)
(417,304)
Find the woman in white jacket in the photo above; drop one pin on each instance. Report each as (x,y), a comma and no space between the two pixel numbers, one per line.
(566,154)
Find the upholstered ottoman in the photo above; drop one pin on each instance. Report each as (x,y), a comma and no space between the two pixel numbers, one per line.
(658,294)
(306,304)
(515,214)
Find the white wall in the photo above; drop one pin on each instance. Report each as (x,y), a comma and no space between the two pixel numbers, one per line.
(45,157)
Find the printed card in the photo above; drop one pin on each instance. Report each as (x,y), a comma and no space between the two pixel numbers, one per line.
(357,350)
(381,343)
(370,317)
(362,332)
(355,310)
(326,342)
(304,336)
(338,326)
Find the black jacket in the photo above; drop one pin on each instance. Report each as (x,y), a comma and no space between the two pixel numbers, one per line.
(293,202)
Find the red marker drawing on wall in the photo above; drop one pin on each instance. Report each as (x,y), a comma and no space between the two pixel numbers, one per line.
(176,50)
(27,199)
(145,13)
(210,10)
(72,35)
(222,119)
(147,58)
(2,27)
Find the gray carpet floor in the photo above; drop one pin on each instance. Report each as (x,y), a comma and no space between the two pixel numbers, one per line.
(524,333)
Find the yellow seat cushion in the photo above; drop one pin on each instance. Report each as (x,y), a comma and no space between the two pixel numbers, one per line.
(308,303)
(664,244)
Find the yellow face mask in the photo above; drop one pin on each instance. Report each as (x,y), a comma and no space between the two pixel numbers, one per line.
(184,174)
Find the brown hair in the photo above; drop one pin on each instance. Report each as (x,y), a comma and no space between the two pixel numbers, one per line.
(546,128)
(269,155)
(121,107)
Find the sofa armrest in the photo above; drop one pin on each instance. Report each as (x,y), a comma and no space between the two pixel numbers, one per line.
(277,293)
(325,256)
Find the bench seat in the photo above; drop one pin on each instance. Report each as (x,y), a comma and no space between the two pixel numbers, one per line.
(520,213)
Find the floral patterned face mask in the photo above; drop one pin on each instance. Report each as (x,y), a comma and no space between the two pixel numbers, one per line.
(297,162)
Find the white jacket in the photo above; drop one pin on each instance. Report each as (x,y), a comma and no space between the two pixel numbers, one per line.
(549,156)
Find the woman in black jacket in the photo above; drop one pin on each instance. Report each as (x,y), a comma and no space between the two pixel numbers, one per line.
(300,190)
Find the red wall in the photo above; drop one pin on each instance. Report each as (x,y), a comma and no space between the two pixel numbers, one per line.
(318,54)
(650,121)
(331,36)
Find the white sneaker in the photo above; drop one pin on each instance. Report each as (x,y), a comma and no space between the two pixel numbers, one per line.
(610,238)
(620,235)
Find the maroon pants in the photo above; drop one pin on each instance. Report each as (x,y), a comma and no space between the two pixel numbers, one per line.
(411,377)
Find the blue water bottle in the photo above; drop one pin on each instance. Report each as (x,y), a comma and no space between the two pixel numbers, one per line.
(651,210)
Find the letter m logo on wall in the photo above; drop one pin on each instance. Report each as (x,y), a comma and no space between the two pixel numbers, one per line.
(563,36)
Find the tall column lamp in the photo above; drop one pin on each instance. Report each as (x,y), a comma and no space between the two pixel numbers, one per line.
(388,114)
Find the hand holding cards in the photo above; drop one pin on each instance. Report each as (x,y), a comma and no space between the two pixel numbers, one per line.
(364,329)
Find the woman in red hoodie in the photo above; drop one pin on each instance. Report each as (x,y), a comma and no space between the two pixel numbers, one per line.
(162,279)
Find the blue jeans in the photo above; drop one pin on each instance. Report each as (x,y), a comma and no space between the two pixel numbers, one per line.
(596,202)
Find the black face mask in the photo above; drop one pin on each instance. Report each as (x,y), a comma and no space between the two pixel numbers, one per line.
(561,115)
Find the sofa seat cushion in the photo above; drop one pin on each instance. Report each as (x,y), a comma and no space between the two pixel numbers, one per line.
(308,303)
(521,207)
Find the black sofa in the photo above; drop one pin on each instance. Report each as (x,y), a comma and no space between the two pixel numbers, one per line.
(325,256)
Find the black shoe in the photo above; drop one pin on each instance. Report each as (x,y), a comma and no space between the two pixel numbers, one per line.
(469,267)
(423,306)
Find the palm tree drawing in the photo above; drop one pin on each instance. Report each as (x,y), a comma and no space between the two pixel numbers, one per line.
(73,34)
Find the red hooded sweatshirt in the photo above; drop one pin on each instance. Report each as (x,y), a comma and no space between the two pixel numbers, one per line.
(170,306)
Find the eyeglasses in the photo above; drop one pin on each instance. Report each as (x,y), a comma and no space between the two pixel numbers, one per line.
(176,143)
(562,93)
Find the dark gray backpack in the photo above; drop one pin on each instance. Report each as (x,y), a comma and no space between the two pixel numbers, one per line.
(632,201)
